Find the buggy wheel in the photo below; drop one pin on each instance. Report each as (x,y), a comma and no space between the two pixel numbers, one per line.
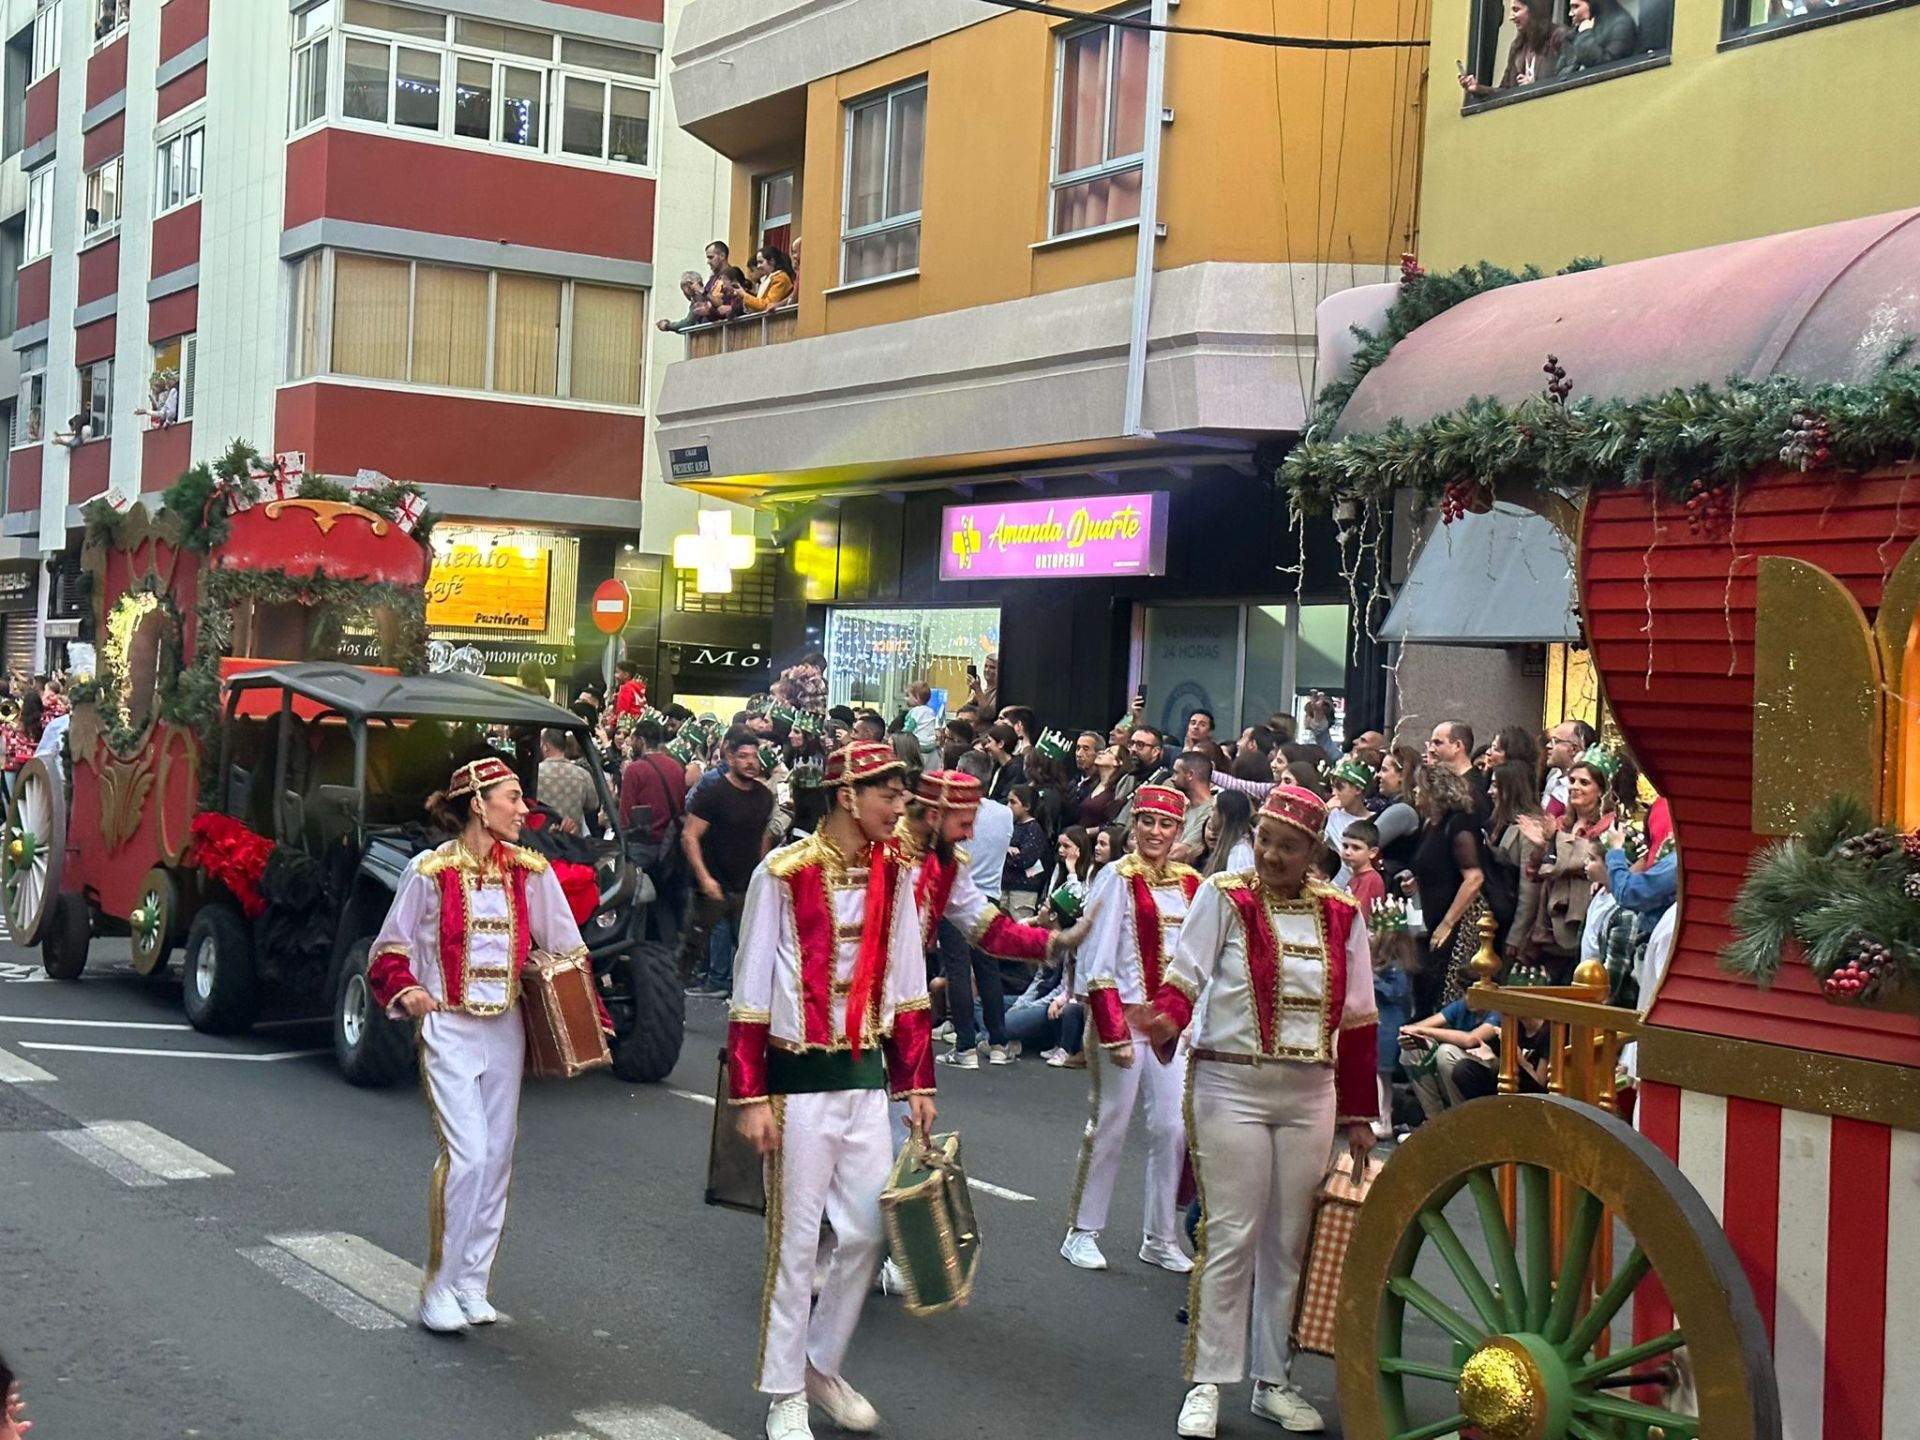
(219,986)
(64,938)
(154,924)
(648,1047)
(371,1049)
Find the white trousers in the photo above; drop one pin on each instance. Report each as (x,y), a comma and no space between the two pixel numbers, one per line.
(1262,1135)
(834,1157)
(471,1065)
(1115,1089)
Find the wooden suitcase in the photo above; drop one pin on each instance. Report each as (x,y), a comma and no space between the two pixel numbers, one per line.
(736,1173)
(1335,1209)
(564,1037)
(928,1212)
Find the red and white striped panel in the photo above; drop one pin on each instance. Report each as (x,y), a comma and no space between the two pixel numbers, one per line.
(1824,1213)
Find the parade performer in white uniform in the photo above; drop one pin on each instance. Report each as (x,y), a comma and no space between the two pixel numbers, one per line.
(830,1015)
(1272,973)
(449,955)
(1134,913)
(939,820)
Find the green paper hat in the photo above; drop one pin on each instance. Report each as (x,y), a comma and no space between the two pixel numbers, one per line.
(1601,761)
(807,775)
(1389,917)
(1053,745)
(1355,772)
(769,758)
(680,750)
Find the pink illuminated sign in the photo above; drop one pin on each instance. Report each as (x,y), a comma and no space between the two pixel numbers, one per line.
(1055,539)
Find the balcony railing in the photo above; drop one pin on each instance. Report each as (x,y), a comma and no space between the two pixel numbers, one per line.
(750,332)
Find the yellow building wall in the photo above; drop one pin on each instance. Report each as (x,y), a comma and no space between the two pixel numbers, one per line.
(1273,155)
(1799,129)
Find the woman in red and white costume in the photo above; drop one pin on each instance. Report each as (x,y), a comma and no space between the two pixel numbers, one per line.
(1273,983)
(1134,914)
(463,921)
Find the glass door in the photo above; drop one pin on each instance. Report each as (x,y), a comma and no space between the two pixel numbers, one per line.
(1242,662)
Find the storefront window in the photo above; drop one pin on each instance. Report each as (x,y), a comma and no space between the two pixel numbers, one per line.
(873,655)
(1242,662)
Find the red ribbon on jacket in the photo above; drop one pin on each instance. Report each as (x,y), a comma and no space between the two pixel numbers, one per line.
(876,929)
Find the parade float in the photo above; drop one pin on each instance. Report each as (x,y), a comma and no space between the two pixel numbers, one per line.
(1729,439)
(232,791)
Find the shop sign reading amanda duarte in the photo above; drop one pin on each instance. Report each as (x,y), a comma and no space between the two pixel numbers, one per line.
(1044,539)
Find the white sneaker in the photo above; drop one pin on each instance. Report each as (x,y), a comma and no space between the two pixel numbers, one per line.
(440,1312)
(473,1304)
(1199,1413)
(1003,1054)
(960,1059)
(944,1031)
(1287,1408)
(846,1407)
(787,1419)
(1165,1254)
(1081,1248)
(890,1281)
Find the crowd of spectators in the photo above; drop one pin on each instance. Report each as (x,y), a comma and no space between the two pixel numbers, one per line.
(726,293)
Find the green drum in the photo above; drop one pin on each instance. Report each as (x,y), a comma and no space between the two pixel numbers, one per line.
(930,1230)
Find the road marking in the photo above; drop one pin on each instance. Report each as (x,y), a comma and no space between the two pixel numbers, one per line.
(361,1266)
(644,1422)
(169,1054)
(95,1151)
(694,1096)
(156,1153)
(342,1302)
(23,974)
(304,1022)
(15,1071)
(94,1024)
(1005,1194)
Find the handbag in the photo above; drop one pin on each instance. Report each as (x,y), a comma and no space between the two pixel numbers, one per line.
(736,1173)
(931,1234)
(1336,1209)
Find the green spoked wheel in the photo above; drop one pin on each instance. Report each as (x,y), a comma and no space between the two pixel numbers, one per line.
(1511,1334)
(33,851)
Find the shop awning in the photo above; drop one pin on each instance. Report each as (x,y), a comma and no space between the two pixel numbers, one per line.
(1825,305)
(1503,578)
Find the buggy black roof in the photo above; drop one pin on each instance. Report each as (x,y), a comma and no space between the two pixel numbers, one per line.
(369,694)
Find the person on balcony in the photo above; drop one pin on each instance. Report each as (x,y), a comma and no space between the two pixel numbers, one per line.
(698,310)
(1534,53)
(1603,33)
(773,281)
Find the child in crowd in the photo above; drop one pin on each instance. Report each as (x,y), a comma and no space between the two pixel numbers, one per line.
(1026,864)
(1360,856)
(1325,864)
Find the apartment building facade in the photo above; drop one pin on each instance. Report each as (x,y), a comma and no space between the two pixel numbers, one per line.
(412,239)
(1055,320)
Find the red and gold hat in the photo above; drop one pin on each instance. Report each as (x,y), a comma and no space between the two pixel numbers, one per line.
(862,760)
(1302,809)
(477,775)
(1160,800)
(950,792)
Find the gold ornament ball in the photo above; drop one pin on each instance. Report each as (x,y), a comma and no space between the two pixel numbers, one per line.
(1497,1394)
(17,848)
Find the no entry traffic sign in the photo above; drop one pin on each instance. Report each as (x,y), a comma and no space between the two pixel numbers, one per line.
(612,604)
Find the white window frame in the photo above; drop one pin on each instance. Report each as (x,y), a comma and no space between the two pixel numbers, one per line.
(891,222)
(103,429)
(192,143)
(323,335)
(1114,165)
(332,34)
(39,232)
(120,26)
(765,222)
(93,234)
(186,382)
(33,384)
(45,57)
(313,43)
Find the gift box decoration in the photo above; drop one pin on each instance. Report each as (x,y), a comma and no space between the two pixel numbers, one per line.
(564,1038)
(931,1234)
(1335,1210)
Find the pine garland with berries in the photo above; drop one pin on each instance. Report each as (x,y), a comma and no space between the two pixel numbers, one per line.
(1846,892)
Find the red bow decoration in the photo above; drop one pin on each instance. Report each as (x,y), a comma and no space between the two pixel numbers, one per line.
(234,855)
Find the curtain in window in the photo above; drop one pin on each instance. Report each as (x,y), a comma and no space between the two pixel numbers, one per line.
(370,317)
(1083,102)
(907,156)
(1129,96)
(866,174)
(526,331)
(609,336)
(450,327)
(1106,201)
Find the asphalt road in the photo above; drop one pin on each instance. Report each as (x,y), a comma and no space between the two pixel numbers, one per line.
(210,1237)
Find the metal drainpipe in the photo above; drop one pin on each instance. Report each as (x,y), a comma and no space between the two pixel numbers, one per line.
(1149,224)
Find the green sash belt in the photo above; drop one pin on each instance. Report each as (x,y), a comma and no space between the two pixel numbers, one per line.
(811,1071)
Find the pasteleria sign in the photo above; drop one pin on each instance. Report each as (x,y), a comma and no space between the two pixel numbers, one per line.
(1045,539)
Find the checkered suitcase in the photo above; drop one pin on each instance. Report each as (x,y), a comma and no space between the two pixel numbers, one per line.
(1335,1209)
